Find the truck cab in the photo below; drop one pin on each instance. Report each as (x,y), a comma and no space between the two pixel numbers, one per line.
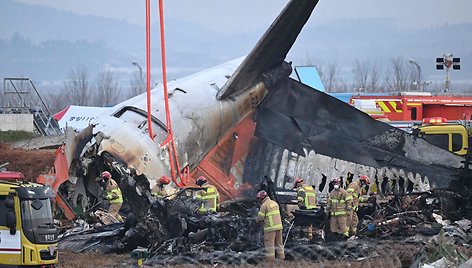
(28,236)
(453,137)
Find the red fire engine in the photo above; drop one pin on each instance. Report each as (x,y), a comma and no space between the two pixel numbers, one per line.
(414,106)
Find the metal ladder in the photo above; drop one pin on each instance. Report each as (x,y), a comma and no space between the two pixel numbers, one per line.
(21,96)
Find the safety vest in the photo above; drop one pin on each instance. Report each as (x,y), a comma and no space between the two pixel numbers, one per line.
(113,192)
(270,214)
(307,196)
(354,189)
(210,197)
(339,202)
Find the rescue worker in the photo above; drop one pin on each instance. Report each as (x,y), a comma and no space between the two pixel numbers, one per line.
(355,190)
(112,193)
(306,197)
(339,205)
(269,213)
(163,189)
(208,195)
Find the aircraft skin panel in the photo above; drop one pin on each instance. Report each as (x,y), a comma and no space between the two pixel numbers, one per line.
(198,131)
(199,118)
(314,121)
(304,132)
(283,167)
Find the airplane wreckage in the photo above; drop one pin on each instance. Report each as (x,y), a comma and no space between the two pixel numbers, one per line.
(241,124)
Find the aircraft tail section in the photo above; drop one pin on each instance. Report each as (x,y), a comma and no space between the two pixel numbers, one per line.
(271,50)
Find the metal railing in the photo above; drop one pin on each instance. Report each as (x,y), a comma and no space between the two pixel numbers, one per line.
(21,96)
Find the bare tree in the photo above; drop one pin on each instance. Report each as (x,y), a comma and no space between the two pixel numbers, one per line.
(361,75)
(366,76)
(77,87)
(330,78)
(400,76)
(56,101)
(374,82)
(329,74)
(107,89)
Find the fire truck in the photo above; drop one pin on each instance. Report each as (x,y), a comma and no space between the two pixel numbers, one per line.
(28,236)
(442,120)
(414,106)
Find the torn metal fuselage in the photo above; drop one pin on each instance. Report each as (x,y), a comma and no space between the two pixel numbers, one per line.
(315,134)
(121,142)
(329,138)
(203,108)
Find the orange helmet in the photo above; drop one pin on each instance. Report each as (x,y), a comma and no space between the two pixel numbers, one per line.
(164,180)
(297,181)
(201,180)
(365,179)
(261,195)
(106,175)
(337,181)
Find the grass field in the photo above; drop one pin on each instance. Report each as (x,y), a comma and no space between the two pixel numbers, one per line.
(11,136)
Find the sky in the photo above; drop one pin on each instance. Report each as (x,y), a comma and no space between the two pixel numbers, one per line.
(259,13)
(196,32)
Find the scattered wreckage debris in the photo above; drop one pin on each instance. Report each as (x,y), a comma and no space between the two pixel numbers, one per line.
(416,229)
(317,131)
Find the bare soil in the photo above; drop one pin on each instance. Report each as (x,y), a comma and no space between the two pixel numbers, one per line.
(69,259)
(31,163)
(79,260)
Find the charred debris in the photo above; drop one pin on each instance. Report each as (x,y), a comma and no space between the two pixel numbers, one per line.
(410,216)
(415,225)
(414,228)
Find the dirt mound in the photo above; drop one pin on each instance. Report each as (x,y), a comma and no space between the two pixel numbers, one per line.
(30,162)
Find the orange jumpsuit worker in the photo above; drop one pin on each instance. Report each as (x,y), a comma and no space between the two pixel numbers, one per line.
(339,205)
(112,194)
(306,197)
(269,213)
(355,190)
(208,195)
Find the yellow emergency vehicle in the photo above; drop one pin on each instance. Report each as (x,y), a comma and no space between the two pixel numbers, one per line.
(453,137)
(28,236)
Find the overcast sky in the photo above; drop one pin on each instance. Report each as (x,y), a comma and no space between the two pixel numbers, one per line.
(219,15)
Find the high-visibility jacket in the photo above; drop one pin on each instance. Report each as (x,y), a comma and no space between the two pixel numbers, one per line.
(210,197)
(113,192)
(355,190)
(306,196)
(339,202)
(270,214)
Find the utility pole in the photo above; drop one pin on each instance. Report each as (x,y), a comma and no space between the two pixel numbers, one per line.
(141,79)
(448,61)
(418,68)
